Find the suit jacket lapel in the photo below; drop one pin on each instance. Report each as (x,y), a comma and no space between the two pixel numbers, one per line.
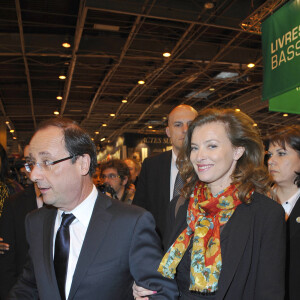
(96,231)
(238,235)
(179,223)
(49,222)
(166,167)
(292,225)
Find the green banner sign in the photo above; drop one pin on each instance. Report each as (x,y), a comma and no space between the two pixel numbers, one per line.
(281,56)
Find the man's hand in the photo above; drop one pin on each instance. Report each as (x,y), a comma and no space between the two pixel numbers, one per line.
(3,246)
(140,293)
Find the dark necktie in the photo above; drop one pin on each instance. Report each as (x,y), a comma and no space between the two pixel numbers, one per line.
(61,254)
(178,185)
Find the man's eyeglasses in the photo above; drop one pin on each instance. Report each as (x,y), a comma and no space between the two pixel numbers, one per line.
(45,165)
(109,176)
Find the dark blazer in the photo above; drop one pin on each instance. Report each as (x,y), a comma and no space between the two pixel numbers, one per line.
(120,246)
(153,189)
(12,230)
(253,261)
(293,254)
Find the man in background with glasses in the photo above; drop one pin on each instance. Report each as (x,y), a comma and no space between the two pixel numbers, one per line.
(83,244)
(116,174)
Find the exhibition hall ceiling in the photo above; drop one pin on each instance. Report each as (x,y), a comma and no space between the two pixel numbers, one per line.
(114,45)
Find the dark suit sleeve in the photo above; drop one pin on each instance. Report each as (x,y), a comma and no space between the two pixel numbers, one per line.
(26,287)
(144,258)
(140,197)
(8,266)
(271,269)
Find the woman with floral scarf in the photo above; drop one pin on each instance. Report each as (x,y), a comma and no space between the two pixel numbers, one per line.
(227,240)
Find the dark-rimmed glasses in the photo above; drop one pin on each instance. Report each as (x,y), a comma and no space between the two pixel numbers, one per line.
(109,176)
(45,165)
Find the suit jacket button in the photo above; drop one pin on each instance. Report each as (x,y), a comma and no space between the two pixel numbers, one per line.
(298,219)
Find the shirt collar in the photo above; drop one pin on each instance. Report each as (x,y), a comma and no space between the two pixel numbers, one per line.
(83,211)
(174,157)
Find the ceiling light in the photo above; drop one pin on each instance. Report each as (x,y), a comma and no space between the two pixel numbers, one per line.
(285,115)
(226,75)
(198,95)
(56,113)
(7,122)
(12,131)
(212,89)
(254,124)
(150,127)
(66,45)
(166,54)
(103,139)
(59,97)
(14,138)
(62,77)
(92,139)
(96,132)
(112,115)
(141,82)
(251,65)
(124,101)
(237,109)
(104,125)
(209,5)
(164,118)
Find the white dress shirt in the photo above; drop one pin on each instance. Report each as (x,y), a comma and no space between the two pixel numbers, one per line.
(290,203)
(173,174)
(78,228)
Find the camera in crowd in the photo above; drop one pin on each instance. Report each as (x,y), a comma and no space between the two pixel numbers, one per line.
(105,188)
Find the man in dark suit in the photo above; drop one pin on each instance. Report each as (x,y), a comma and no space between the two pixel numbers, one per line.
(84,245)
(12,230)
(158,175)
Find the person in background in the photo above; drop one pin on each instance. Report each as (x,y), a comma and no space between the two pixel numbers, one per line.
(116,174)
(12,230)
(8,186)
(134,168)
(97,176)
(284,167)
(227,239)
(137,156)
(83,244)
(159,180)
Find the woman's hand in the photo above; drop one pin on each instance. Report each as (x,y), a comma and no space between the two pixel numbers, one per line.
(140,293)
(3,246)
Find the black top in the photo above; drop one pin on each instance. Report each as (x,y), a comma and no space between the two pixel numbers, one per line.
(252,248)
(183,273)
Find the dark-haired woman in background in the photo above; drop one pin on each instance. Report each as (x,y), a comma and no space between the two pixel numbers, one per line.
(8,186)
(284,167)
(227,238)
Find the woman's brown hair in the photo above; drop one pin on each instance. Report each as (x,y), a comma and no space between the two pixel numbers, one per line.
(289,135)
(250,171)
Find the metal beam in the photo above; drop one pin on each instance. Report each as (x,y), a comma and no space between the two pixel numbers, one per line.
(20,24)
(78,33)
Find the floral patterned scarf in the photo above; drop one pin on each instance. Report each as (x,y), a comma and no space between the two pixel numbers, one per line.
(205,215)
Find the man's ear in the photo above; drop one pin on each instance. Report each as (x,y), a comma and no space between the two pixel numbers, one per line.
(85,164)
(125,180)
(238,152)
(168,131)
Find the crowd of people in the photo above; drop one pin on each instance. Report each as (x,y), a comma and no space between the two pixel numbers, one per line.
(217,217)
